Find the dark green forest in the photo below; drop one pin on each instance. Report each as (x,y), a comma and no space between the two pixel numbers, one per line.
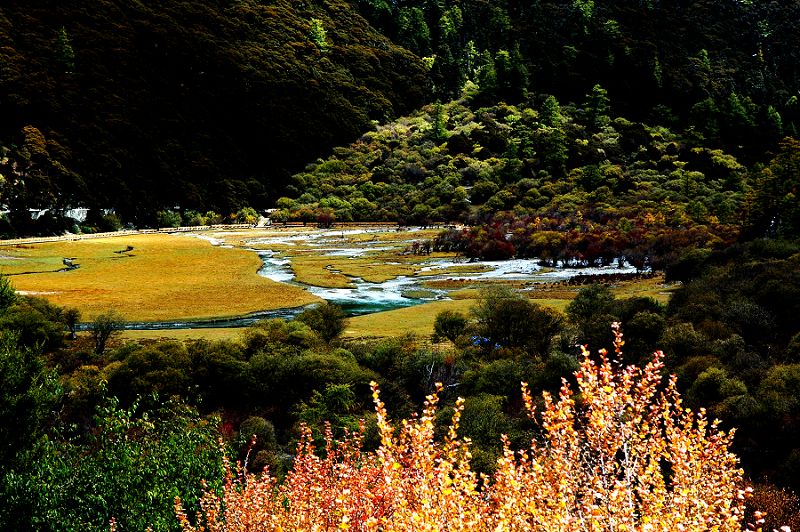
(205,105)
(212,106)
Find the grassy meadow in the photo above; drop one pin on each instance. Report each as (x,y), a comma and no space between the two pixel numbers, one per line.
(148,277)
(159,277)
(380,256)
(419,319)
(206,333)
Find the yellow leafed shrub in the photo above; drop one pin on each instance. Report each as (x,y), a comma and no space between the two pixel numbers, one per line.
(618,453)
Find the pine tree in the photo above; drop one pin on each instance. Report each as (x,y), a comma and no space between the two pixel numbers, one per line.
(7,293)
(519,73)
(597,107)
(446,73)
(439,128)
(413,31)
(502,65)
(318,35)
(487,75)
(551,112)
(774,121)
(65,55)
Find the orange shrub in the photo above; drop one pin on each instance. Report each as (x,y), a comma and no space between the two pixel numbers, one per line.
(619,453)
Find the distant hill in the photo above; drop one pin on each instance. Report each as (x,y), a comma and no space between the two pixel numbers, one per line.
(201,104)
(214,104)
(682,60)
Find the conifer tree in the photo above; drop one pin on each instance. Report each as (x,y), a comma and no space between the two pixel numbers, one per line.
(65,55)
(318,35)
(550,114)
(597,107)
(487,75)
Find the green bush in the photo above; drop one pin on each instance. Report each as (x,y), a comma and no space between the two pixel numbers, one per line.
(130,467)
(449,324)
(327,320)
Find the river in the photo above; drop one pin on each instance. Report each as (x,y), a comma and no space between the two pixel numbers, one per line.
(365,297)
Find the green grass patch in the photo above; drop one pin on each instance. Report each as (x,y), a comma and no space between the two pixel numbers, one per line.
(373,270)
(419,294)
(459,269)
(210,334)
(319,271)
(655,288)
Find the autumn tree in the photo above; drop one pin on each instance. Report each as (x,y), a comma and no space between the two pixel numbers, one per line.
(618,452)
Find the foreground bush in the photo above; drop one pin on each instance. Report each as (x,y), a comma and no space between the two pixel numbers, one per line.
(618,453)
(127,467)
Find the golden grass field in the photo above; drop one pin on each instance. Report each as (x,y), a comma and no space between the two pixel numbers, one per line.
(160,277)
(205,333)
(417,319)
(164,277)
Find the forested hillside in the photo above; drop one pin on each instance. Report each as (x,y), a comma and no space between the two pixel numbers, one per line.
(205,105)
(213,105)
(657,135)
(693,62)
(461,161)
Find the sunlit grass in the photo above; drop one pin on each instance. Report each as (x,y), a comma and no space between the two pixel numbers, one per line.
(318,270)
(163,277)
(417,319)
(166,277)
(204,333)
(318,267)
(372,270)
(655,288)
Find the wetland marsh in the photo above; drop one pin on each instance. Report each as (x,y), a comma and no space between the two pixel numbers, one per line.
(219,279)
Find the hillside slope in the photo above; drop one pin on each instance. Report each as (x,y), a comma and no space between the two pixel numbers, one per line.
(461,161)
(206,105)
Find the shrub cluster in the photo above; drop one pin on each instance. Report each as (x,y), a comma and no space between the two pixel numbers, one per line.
(617,453)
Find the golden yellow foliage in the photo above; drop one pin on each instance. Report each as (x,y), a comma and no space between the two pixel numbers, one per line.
(619,453)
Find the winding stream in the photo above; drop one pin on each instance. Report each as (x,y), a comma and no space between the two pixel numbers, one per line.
(365,297)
